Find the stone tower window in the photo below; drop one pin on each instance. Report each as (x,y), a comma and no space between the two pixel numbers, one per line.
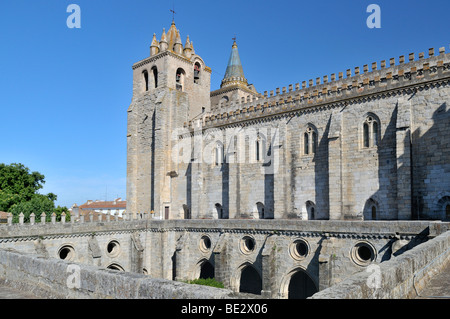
(155,76)
(145,74)
(197,72)
(310,141)
(447,212)
(370,132)
(179,79)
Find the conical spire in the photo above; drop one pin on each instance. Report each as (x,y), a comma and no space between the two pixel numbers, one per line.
(234,67)
(234,71)
(154,48)
(163,42)
(178,45)
(187,48)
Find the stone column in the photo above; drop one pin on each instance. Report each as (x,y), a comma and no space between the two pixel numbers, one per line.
(220,255)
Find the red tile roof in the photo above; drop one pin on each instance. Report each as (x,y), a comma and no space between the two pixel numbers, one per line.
(115,204)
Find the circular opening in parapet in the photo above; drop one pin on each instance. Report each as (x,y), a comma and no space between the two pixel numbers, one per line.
(66,253)
(247,244)
(299,249)
(113,248)
(205,243)
(115,267)
(363,253)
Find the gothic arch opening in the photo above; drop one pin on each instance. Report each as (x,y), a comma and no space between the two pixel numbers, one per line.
(155,76)
(250,281)
(145,75)
(371,210)
(206,270)
(301,286)
(311,210)
(370,131)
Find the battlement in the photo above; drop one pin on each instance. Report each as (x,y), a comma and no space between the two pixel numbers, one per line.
(328,90)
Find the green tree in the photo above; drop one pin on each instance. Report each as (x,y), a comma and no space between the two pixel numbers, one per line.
(19,193)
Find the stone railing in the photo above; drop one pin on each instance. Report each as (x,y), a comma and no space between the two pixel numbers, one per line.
(399,278)
(89,217)
(53,278)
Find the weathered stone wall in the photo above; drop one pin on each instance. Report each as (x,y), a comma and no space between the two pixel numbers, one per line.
(52,278)
(403,175)
(400,278)
(323,252)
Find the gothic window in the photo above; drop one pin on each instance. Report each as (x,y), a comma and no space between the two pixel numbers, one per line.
(306,143)
(371,210)
(447,212)
(145,74)
(197,72)
(311,210)
(310,141)
(155,76)
(218,154)
(370,132)
(260,148)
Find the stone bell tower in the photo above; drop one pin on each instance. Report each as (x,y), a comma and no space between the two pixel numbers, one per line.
(170,88)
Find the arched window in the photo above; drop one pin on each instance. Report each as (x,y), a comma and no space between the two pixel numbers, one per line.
(155,76)
(306,143)
(179,79)
(370,132)
(218,154)
(197,68)
(447,212)
(371,210)
(366,135)
(260,148)
(310,141)
(314,141)
(145,74)
(219,211)
(311,210)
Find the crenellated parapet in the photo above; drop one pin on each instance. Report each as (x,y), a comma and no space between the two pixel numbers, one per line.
(329,91)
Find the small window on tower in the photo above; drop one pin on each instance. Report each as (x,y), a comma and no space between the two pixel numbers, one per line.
(179,79)
(197,73)
(145,74)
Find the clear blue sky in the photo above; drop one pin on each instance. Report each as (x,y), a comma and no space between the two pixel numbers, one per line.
(64,92)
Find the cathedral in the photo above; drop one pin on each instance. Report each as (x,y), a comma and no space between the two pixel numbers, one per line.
(370,143)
